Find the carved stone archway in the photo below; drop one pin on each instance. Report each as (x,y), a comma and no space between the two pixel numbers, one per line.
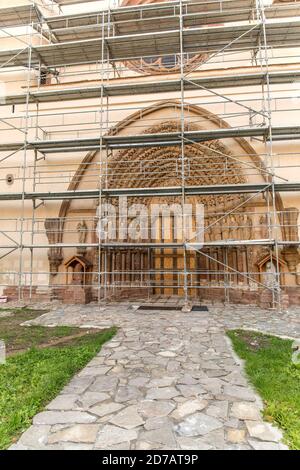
(165,177)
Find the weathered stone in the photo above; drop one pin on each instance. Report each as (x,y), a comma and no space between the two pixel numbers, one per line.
(238,393)
(128,418)
(94,371)
(167,354)
(246,411)
(127,393)
(212,385)
(157,422)
(151,408)
(63,402)
(187,380)
(164,436)
(163,382)
(78,385)
(164,393)
(106,408)
(215,438)
(219,409)
(138,382)
(104,384)
(35,435)
(111,435)
(89,399)
(81,433)
(188,408)
(197,424)
(62,417)
(260,445)
(191,390)
(263,431)
(236,436)
(188,443)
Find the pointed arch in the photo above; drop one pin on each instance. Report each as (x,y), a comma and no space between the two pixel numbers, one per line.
(162,105)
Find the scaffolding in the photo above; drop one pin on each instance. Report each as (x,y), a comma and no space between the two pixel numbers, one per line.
(70,76)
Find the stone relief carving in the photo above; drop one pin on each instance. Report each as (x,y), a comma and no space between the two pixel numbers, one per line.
(82,231)
(289,221)
(54,231)
(270,276)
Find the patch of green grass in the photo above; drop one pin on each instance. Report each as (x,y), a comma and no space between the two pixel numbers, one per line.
(30,380)
(17,337)
(270,369)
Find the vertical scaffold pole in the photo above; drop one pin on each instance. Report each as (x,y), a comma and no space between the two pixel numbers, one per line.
(273,229)
(24,169)
(182,126)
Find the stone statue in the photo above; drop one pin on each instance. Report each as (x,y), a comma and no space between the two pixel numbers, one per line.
(82,230)
(270,276)
(78,274)
(54,232)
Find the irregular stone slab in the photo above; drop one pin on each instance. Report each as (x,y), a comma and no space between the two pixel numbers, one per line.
(89,399)
(72,446)
(191,390)
(163,436)
(263,431)
(238,393)
(245,410)
(127,393)
(157,422)
(63,417)
(236,436)
(167,354)
(104,384)
(189,443)
(94,371)
(128,418)
(163,382)
(212,385)
(187,380)
(63,402)
(138,382)
(197,424)
(111,435)
(106,408)
(260,445)
(188,408)
(35,435)
(215,438)
(164,393)
(219,409)
(78,385)
(80,433)
(151,409)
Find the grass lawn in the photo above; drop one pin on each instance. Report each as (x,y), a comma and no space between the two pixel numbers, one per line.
(33,377)
(270,369)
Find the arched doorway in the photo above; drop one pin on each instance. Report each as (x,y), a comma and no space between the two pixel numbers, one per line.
(139,270)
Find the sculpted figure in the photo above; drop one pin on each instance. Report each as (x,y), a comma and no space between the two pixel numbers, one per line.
(270,276)
(78,274)
(82,231)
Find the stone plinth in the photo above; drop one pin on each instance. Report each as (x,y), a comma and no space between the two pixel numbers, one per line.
(77,295)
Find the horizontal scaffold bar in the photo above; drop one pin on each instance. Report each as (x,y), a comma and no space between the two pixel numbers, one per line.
(142,17)
(188,245)
(151,140)
(165,86)
(153,192)
(237,36)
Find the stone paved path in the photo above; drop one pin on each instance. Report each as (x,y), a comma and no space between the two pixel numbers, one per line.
(167,380)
